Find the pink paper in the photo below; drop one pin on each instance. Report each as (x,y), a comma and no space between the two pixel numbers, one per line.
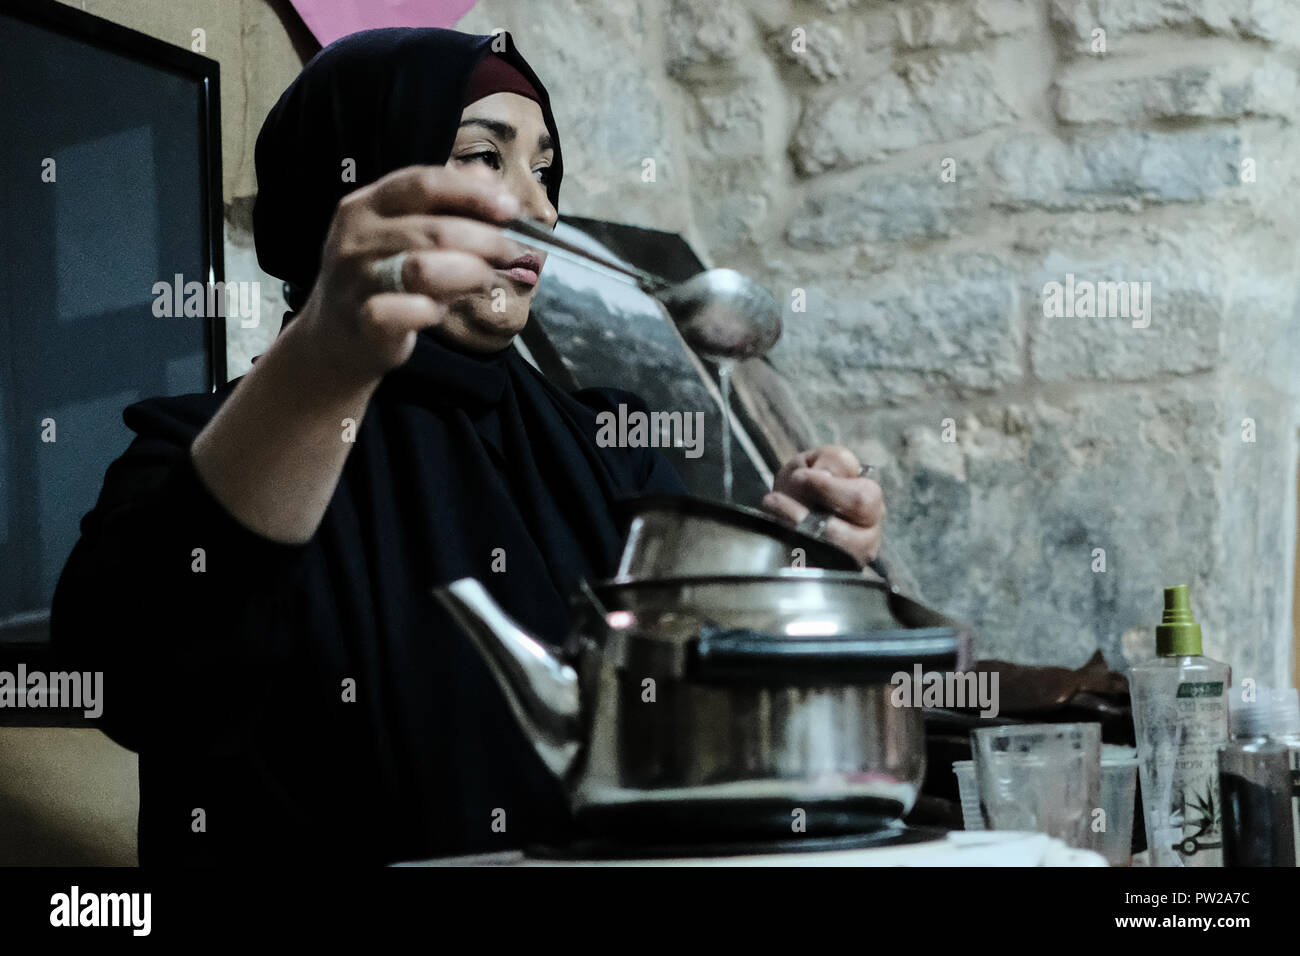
(330,19)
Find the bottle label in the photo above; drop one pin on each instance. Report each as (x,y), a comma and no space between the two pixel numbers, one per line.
(1295,800)
(1203,711)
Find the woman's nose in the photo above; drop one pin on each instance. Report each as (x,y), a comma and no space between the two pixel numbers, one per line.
(534,201)
(537,205)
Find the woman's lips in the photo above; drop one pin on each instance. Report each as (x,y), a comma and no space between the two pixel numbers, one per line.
(525,269)
(521,274)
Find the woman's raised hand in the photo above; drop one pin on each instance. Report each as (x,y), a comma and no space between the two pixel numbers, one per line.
(273,453)
(367,306)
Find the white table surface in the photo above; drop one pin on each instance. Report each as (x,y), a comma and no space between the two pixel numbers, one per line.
(958,848)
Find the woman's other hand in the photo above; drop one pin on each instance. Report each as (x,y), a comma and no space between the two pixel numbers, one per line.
(441,218)
(830,479)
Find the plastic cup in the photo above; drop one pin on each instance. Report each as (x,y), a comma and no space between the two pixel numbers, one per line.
(1118,798)
(968,789)
(1040,778)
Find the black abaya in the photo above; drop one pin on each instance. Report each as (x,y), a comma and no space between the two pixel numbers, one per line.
(232,681)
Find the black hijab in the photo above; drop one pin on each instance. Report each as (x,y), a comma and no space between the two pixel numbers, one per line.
(382,99)
(463,465)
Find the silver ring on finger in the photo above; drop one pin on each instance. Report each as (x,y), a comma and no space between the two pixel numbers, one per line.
(814,523)
(388,272)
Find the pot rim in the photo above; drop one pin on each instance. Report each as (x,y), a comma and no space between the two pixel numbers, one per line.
(782,574)
(737,516)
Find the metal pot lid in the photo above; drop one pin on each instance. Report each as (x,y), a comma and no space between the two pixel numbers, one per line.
(820,554)
(792,602)
(802,623)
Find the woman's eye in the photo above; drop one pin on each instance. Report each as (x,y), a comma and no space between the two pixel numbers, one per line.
(491,158)
(543,175)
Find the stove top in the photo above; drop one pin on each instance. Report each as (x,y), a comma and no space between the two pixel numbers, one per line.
(598,848)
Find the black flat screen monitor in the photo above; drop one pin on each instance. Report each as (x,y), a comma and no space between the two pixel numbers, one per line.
(110,182)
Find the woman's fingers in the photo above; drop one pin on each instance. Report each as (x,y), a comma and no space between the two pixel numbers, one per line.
(861,542)
(859,500)
(404,233)
(428,189)
(445,275)
(827,479)
(836,459)
(798,461)
(783,506)
(394,311)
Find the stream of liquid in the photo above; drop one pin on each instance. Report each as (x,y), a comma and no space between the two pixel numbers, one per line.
(724,386)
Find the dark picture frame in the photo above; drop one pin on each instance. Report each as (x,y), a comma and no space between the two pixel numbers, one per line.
(24,637)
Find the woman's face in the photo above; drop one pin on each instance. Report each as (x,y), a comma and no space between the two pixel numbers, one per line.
(504,139)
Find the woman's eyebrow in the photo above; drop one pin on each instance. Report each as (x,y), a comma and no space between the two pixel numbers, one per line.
(504,130)
(507,132)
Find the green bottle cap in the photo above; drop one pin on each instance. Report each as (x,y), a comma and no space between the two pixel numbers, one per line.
(1178,634)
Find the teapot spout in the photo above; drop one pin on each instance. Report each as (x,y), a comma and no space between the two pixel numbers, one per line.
(541,690)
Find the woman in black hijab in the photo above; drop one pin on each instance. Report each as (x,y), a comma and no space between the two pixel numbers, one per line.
(255,578)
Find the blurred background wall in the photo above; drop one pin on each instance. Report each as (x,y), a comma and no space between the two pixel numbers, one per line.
(914,174)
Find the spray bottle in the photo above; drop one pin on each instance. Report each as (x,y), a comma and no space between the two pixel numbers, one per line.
(1180,714)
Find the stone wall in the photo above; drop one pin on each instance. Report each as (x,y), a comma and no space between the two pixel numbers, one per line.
(918,172)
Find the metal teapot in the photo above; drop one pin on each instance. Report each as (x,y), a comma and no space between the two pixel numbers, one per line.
(722,706)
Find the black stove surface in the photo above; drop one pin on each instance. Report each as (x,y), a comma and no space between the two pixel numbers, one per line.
(611,848)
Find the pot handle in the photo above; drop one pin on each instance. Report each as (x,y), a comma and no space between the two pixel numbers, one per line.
(735,655)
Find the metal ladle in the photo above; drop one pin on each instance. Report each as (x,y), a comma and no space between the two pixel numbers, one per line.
(721,313)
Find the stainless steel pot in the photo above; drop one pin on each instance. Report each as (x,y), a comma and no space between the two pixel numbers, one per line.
(678,536)
(723,706)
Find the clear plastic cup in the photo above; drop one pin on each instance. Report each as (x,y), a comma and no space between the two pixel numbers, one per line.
(969,790)
(1040,778)
(1118,798)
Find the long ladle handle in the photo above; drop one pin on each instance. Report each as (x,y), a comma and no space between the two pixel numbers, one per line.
(532,233)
